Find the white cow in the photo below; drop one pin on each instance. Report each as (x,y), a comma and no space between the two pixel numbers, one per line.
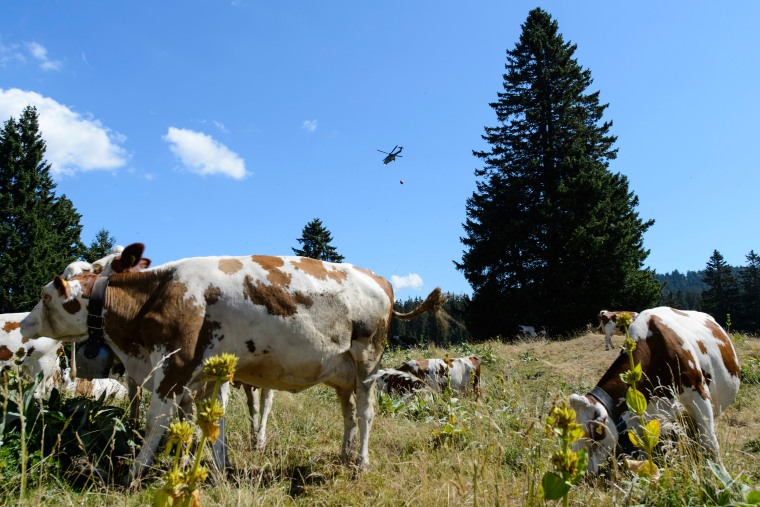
(689,368)
(294,322)
(458,374)
(391,380)
(33,356)
(608,325)
(94,388)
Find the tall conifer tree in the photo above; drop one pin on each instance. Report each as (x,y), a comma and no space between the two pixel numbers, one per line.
(721,297)
(552,236)
(100,246)
(750,294)
(39,232)
(315,243)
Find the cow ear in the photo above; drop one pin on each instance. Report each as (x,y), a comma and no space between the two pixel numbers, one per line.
(598,429)
(129,258)
(61,286)
(143,263)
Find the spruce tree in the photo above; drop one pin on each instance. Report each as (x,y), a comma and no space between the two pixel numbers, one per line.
(315,243)
(721,297)
(39,232)
(100,246)
(750,294)
(552,236)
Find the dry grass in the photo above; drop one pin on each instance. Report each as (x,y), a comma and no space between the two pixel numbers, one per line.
(498,460)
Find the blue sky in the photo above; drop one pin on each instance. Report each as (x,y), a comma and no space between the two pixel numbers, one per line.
(222,128)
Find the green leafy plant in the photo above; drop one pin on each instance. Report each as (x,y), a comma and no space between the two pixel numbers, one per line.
(181,486)
(648,435)
(569,466)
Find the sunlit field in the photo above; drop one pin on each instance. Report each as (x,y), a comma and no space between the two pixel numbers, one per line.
(447,450)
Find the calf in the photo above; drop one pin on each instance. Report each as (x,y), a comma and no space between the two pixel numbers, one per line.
(608,325)
(457,374)
(293,322)
(33,356)
(689,368)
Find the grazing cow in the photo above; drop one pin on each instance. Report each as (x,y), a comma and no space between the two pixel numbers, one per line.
(34,356)
(95,388)
(391,380)
(76,268)
(689,368)
(293,322)
(457,374)
(608,325)
(524,331)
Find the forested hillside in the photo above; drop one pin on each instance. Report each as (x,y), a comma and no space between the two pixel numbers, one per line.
(426,329)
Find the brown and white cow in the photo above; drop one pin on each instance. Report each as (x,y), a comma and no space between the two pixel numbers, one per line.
(689,368)
(293,322)
(391,380)
(32,356)
(458,374)
(608,325)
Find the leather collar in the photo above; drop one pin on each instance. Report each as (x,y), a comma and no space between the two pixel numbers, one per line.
(95,315)
(624,443)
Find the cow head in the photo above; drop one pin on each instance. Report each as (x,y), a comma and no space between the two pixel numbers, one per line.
(601,436)
(62,311)
(122,260)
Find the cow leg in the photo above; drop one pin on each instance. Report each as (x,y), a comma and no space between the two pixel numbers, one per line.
(348,407)
(607,342)
(265,397)
(253,411)
(159,415)
(219,448)
(364,398)
(701,412)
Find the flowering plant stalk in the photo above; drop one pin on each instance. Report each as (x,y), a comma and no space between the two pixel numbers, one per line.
(569,466)
(649,434)
(181,486)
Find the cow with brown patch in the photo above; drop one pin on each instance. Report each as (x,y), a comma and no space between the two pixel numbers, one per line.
(458,374)
(689,368)
(608,325)
(309,322)
(32,356)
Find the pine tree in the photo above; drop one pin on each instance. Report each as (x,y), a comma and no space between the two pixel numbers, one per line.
(39,232)
(315,243)
(100,246)
(750,296)
(721,297)
(552,234)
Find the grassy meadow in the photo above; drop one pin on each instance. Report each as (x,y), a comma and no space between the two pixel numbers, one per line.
(449,451)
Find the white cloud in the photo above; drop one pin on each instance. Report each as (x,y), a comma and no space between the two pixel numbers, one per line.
(74,143)
(310,125)
(10,53)
(203,155)
(39,52)
(410,281)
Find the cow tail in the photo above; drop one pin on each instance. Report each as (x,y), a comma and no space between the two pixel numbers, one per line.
(432,304)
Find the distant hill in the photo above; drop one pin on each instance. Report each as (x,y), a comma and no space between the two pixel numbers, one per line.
(684,291)
(689,282)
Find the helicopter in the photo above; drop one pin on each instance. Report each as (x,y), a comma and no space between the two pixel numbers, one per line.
(390,157)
